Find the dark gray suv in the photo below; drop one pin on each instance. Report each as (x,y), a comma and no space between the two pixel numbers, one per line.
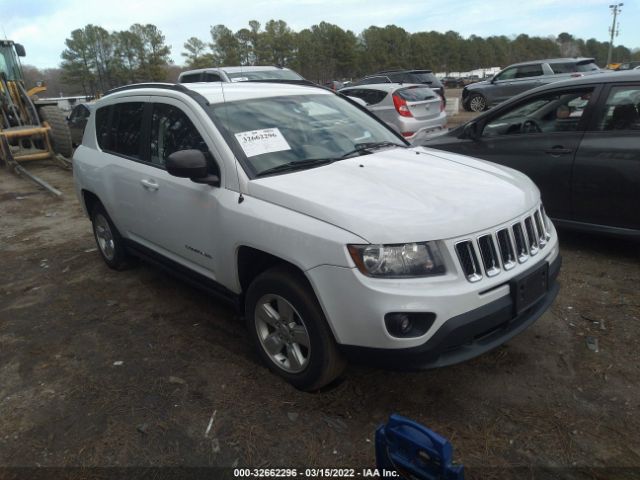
(521,77)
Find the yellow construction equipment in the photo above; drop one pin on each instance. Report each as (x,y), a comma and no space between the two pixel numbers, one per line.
(29,129)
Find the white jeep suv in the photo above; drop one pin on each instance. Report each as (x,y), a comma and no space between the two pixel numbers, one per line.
(333,236)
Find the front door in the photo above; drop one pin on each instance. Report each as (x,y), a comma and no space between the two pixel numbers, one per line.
(538,136)
(179,218)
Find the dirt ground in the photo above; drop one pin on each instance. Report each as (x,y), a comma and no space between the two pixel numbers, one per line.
(101,368)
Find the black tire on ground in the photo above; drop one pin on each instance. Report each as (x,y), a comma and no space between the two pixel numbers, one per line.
(325,362)
(108,240)
(60,134)
(477,103)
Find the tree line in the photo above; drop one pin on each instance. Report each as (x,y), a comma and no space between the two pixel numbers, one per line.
(96,60)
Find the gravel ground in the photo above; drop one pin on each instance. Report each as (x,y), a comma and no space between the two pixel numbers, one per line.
(103,369)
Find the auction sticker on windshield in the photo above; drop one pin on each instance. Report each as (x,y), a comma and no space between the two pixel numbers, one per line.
(258,142)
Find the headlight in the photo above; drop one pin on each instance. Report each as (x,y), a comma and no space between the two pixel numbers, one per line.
(398,261)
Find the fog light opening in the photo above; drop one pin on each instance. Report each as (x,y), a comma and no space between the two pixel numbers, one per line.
(401,324)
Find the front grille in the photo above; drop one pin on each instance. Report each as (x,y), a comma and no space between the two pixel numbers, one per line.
(505,248)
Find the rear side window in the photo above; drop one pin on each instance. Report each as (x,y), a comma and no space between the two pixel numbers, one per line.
(415,94)
(126,126)
(527,71)
(373,80)
(572,67)
(102,127)
(211,77)
(191,78)
(621,109)
(370,96)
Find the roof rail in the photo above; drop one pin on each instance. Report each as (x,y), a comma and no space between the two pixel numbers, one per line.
(135,86)
(178,87)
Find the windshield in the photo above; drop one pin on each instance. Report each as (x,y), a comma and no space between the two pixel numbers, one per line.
(275,74)
(283,130)
(9,63)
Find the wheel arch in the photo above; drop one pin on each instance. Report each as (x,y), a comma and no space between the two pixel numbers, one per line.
(90,200)
(251,262)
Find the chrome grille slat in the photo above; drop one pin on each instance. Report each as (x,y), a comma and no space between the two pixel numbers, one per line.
(532,240)
(489,255)
(522,249)
(469,260)
(507,250)
(542,236)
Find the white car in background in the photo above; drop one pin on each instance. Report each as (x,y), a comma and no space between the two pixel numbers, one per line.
(413,110)
(333,237)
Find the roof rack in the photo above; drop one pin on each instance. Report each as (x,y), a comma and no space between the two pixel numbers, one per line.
(167,86)
(178,87)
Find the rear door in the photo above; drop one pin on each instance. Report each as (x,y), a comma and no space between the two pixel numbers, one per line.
(606,180)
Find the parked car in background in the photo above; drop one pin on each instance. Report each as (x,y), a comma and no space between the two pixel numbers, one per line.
(333,85)
(238,74)
(521,77)
(470,79)
(415,111)
(578,140)
(77,121)
(452,82)
(627,66)
(425,77)
(332,236)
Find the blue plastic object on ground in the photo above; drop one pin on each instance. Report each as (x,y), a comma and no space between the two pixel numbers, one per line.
(414,451)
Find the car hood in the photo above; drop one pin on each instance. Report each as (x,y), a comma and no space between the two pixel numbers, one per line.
(477,85)
(404,195)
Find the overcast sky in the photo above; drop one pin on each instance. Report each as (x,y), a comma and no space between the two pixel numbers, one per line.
(42,25)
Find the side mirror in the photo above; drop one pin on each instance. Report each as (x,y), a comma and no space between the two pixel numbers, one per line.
(191,164)
(20,51)
(470,131)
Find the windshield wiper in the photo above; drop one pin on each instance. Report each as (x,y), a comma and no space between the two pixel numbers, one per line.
(365,146)
(299,165)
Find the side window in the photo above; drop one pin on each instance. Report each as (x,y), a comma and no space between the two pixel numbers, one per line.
(527,71)
(126,125)
(211,77)
(191,78)
(508,74)
(102,127)
(563,67)
(370,96)
(372,80)
(553,112)
(171,131)
(621,110)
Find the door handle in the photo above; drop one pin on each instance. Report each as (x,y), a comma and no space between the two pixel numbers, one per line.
(149,184)
(558,150)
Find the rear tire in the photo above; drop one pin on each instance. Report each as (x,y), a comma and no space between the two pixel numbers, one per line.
(60,133)
(282,315)
(110,243)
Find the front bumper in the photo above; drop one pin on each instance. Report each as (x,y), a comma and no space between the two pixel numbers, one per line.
(465,336)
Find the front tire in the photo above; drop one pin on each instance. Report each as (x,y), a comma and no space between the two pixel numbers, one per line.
(110,243)
(477,103)
(289,329)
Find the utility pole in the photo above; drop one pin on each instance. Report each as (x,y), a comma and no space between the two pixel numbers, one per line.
(614,30)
